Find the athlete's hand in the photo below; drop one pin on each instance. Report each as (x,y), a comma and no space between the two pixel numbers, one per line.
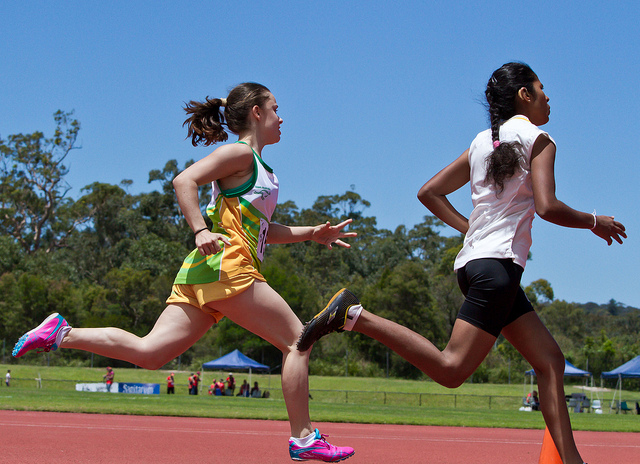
(209,243)
(329,235)
(608,229)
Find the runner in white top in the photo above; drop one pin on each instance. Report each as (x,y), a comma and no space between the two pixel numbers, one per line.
(500,225)
(510,167)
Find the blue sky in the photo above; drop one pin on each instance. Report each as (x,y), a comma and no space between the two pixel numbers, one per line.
(375,96)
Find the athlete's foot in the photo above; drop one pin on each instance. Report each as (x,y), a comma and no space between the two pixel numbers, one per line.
(318,449)
(46,337)
(332,318)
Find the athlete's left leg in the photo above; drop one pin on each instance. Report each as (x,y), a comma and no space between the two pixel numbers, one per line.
(176,330)
(532,339)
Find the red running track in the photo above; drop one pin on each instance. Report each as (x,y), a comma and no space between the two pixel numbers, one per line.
(49,437)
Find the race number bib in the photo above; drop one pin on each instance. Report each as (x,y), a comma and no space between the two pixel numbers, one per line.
(262,238)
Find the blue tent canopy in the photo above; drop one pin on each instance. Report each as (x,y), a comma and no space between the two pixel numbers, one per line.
(630,369)
(235,360)
(569,371)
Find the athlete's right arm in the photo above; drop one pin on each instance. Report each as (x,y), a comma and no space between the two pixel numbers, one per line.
(225,162)
(434,193)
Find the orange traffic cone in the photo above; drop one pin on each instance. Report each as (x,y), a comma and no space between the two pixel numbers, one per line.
(549,453)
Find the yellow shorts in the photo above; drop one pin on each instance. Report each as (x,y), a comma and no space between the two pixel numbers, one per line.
(200,295)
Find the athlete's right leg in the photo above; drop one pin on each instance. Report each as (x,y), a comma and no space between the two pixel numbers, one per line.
(467,348)
(176,330)
(262,311)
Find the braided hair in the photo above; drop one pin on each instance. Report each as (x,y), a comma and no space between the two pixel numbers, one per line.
(501,93)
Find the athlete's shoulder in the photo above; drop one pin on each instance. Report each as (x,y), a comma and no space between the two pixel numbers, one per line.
(236,154)
(481,137)
(241,150)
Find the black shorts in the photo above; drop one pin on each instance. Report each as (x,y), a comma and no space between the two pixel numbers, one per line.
(493,296)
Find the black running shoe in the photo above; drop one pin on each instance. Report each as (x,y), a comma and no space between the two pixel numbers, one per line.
(331,319)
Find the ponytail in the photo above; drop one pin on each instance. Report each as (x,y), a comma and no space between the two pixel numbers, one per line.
(204,126)
(502,90)
(206,122)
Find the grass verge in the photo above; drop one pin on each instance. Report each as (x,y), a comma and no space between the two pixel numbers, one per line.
(335,399)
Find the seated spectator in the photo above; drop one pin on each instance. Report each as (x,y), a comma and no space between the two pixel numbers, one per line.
(244,389)
(535,403)
(219,388)
(255,391)
(212,388)
(532,401)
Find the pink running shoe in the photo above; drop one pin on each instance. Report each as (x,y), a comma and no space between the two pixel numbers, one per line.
(46,337)
(319,450)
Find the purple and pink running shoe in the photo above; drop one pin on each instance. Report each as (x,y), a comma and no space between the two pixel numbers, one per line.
(46,337)
(319,450)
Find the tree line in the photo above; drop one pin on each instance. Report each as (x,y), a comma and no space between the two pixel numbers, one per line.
(108,258)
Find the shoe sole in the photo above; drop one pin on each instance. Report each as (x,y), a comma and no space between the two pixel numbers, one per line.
(338,460)
(325,316)
(23,339)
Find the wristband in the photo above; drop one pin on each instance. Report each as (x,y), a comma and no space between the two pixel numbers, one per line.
(197,232)
(595,221)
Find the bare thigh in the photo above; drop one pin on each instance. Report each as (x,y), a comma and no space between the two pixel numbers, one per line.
(178,328)
(533,340)
(262,311)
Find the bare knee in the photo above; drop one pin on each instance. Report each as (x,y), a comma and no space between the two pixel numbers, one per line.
(450,373)
(453,380)
(150,358)
(152,364)
(553,364)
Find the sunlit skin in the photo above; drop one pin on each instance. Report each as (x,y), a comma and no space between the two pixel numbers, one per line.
(469,345)
(258,309)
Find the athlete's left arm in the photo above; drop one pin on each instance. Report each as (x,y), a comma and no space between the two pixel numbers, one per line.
(325,234)
(549,208)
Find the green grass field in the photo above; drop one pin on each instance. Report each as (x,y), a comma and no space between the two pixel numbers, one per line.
(335,399)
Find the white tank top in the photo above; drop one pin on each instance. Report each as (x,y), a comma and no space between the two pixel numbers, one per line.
(500,225)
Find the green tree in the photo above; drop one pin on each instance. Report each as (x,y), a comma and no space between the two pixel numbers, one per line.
(403,295)
(539,291)
(510,354)
(33,207)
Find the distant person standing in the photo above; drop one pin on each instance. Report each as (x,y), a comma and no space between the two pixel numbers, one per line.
(171,384)
(108,378)
(7,378)
(191,383)
(231,384)
(196,381)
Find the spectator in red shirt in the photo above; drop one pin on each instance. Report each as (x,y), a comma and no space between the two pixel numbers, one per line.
(108,378)
(171,382)
(196,381)
(191,383)
(231,384)
(244,388)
